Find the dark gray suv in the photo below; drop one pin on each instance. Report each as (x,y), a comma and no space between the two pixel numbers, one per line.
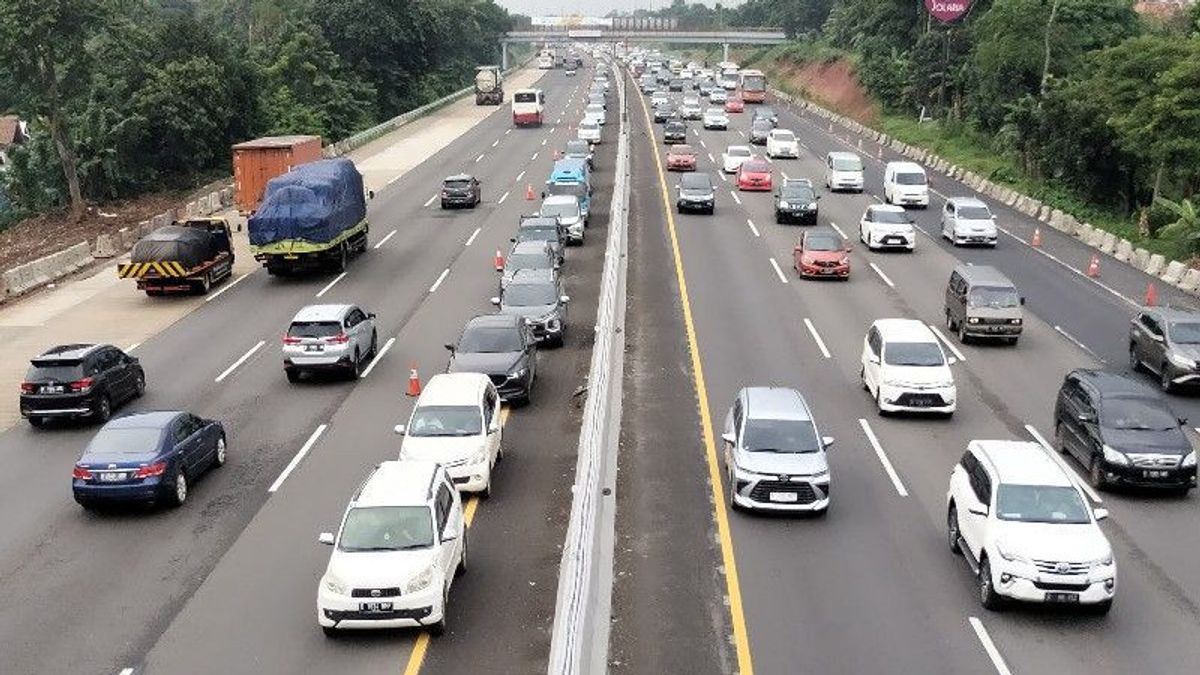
(537,295)
(1166,342)
(695,193)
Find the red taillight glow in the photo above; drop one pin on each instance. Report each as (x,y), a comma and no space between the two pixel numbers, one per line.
(81,473)
(81,385)
(339,339)
(151,470)
(28,387)
(289,340)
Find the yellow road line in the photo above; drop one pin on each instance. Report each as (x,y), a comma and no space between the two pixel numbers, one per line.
(417,657)
(741,638)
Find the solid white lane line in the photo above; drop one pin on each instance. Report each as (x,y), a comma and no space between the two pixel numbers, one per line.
(383,241)
(476,232)
(1057,458)
(478,158)
(883,276)
(817,338)
(1073,340)
(989,646)
(778,271)
(838,230)
(228,286)
(382,350)
(329,285)
(440,279)
(946,341)
(287,470)
(245,357)
(503,197)
(431,199)
(495,142)
(753,229)
(534,158)
(736,198)
(132,347)
(519,177)
(883,458)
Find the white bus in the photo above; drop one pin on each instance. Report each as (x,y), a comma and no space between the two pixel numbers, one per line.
(527,105)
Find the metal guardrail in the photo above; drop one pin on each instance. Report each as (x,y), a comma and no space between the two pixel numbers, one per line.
(739,36)
(579,639)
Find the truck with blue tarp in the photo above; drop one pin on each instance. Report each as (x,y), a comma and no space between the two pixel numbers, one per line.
(312,217)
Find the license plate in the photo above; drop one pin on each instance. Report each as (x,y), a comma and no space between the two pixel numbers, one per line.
(374,606)
(826,271)
(113,477)
(52,389)
(783,497)
(893,240)
(1062,597)
(1155,474)
(290,256)
(314,348)
(922,401)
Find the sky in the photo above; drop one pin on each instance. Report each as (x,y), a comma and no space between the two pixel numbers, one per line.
(589,7)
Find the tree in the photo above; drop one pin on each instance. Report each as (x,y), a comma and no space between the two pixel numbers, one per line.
(43,48)
(1186,226)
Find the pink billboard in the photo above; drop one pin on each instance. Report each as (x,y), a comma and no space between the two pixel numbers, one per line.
(947,11)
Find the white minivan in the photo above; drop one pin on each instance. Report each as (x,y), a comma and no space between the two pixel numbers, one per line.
(905,184)
(843,171)
(905,369)
(966,220)
(456,423)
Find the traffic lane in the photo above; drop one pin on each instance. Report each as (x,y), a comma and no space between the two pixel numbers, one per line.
(738,348)
(668,613)
(364,421)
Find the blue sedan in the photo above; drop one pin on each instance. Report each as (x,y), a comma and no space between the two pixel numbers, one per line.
(147,457)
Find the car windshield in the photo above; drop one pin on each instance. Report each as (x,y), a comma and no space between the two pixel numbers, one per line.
(457,184)
(822,241)
(57,372)
(847,164)
(782,436)
(1185,333)
(714,112)
(1136,414)
(800,193)
(974,213)
(530,295)
(1040,504)
(445,420)
(314,329)
(695,182)
(520,261)
(889,217)
(595,108)
(993,296)
(386,528)
(760,125)
(913,354)
(910,178)
(573,189)
(681,150)
(124,441)
(537,233)
(784,136)
(561,210)
(490,341)
(764,111)
(589,125)
(738,152)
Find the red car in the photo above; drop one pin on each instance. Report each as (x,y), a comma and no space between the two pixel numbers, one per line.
(822,253)
(734,104)
(754,174)
(681,158)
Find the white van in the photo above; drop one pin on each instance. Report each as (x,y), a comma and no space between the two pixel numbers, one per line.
(456,423)
(843,171)
(905,369)
(905,184)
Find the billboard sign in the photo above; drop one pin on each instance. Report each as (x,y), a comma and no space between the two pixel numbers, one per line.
(948,11)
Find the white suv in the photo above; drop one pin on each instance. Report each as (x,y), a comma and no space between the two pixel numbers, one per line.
(456,423)
(401,543)
(886,226)
(905,369)
(337,338)
(1026,529)
(966,220)
(782,143)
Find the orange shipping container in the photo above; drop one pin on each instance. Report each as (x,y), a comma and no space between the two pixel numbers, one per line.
(258,161)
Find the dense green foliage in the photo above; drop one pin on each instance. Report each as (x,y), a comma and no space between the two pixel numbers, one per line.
(124,96)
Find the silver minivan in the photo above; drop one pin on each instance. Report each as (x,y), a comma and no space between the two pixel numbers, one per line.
(338,338)
(982,303)
(966,220)
(843,171)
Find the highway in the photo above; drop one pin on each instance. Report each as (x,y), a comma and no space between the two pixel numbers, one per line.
(227,583)
(871,587)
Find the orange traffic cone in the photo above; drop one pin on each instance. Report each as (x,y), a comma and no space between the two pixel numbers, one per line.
(1036,242)
(1151,295)
(1093,269)
(529,191)
(499,261)
(414,382)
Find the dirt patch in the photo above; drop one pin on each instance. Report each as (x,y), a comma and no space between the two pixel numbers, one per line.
(47,233)
(833,85)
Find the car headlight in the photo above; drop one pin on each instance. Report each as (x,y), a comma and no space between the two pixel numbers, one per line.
(973,319)
(335,585)
(1114,456)
(1181,361)
(420,582)
(480,455)
(844,261)
(811,206)
(1189,460)
(1009,555)
(518,373)
(820,476)
(1106,561)
(783,204)
(1015,322)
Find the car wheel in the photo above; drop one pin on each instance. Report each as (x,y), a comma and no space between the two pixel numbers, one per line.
(293,375)
(339,263)
(374,345)
(952,533)
(1100,608)
(879,402)
(949,322)
(988,597)
(1096,477)
(1060,441)
(37,422)
(732,492)
(356,366)
(103,410)
(461,569)
(486,493)
(205,284)
(1164,380)
(1135,364)
(962,332)
(180,494)
(139,386)
(862,377)
(330,631)
(439,629)
(219,457)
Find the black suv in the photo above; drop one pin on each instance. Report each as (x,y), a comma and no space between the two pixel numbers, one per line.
(80,380)
(796,201)
(674,131)
(1122,432)
(461,190)
(503,348)
(664,111)
(695,193)
(1166,342)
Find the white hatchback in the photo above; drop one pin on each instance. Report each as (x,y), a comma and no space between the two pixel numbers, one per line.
(905,369)
(885,226)
(401,543)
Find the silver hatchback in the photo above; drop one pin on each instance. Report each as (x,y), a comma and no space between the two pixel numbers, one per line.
(337,338)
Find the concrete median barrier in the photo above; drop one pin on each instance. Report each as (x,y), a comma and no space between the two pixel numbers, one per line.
(24,278)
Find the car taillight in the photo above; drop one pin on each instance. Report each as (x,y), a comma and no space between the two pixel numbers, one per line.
(28,387)
(81,473)
(83,385)
(156,469)
(339,339)
(289,340)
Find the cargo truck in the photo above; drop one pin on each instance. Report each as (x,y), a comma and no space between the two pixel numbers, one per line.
(258,161)
(489,86)
(183,257)
(312,217)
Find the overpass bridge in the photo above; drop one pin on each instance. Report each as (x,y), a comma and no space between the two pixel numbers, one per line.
(768,36)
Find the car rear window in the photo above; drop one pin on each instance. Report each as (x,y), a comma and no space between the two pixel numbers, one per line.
(124,441)
(755,166)
(525,97)
(66,371)
(314,329)
(457,184)
(696,181)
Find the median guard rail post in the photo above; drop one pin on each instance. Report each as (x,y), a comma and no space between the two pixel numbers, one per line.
(579,641)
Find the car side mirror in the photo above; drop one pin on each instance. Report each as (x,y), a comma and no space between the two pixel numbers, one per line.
(951,361)
(370,315)
(873,359)
(543,194)
(325,538)
(827,441)
(512,239)
(370,194)
(450,347)
(399,429)
(564,299)
(797,248)
(1182,421)
(1022,301)
(729,438)
(494,301)
(1100,514)
(450,534)
(981,510)
(1086,417)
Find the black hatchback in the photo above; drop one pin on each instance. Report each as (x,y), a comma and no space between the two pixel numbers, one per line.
(80,381)
(674,131)
(1122,432)
(461,190)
